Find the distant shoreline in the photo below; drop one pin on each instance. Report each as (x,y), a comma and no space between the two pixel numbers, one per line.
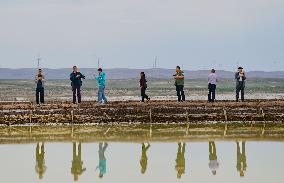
(123,73)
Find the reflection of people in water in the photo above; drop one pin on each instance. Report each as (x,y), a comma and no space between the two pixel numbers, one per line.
(77,163)
(241,159)
(144,158)
(102,159)
(40,162)
(213,160)
(180,161)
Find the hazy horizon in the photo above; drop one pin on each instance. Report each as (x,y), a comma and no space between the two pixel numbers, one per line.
(95,69)
(195,34)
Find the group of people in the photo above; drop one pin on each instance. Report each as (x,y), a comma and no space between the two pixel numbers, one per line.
(78,168)
(76,84)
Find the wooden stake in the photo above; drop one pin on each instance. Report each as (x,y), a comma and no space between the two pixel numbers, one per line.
(150,113)
(72,116)
(225,114)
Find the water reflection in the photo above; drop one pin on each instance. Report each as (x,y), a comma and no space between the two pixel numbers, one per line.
(180,161)
(102,159)
(77,163)
(40,167)
(144,158)
(213,160)
(241,159)
(78,169)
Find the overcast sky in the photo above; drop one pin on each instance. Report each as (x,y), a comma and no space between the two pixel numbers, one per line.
(196,34)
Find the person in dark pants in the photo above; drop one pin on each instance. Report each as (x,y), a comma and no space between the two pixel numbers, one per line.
(39,80)
(240,84)
(179,83)
(143,86)
(76,83)
(212,81)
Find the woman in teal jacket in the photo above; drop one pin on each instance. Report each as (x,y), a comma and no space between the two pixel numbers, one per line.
(101,78)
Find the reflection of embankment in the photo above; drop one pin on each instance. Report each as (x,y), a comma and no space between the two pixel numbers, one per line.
(193,112)
(142,133)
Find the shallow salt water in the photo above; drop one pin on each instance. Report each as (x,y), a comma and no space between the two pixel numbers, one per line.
(232,162)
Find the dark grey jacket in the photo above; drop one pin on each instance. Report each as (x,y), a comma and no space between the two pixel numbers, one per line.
(238,77)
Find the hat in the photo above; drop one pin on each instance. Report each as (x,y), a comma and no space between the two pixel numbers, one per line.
(240,68)
(100,69)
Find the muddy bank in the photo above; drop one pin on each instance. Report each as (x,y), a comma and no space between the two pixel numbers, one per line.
(141,133)
(193,112)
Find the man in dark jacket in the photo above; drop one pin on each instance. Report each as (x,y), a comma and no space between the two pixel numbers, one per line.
(39,80)
(143,87)
(240,84)
(179,83)
(76,83)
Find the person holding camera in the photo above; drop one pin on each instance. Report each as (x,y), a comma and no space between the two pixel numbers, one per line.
(76,83)
(179,83)
(39,80)
(240,84)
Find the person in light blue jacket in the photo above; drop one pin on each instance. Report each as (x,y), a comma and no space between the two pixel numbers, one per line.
(101,78)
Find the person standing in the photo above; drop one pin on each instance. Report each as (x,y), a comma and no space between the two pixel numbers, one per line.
(179,83)
(101,78)
(143,87)
(240,84)
(76,83)
(39,80)
(212,81)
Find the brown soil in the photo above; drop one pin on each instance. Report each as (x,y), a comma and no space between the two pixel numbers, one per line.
(133,112)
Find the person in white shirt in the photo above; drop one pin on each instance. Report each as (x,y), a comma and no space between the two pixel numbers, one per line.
(213,160)
(212,81)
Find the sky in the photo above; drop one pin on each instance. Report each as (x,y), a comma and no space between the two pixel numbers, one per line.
(195,34)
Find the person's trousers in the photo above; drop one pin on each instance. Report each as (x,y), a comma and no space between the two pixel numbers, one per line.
(240,88)
(212,92)
(76,94)
(40,95)
(180,93)
(143,94)
(101,94)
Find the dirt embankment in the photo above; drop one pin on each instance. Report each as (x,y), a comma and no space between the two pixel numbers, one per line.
(252,111)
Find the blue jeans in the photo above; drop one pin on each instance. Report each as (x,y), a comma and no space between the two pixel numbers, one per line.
(101,94)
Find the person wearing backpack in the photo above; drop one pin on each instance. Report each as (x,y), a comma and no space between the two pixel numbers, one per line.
(76,83)
(143,87)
